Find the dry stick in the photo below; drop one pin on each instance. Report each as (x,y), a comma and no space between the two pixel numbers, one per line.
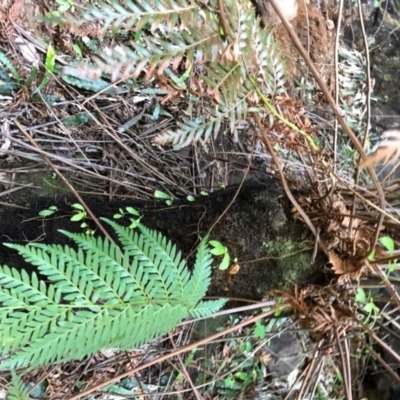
(284,182)
(389,286)
(336,61)
(223,19)
(336,111)
(368,103)
(307,380)
(377,339)
(182,350)
(65,181)
(345,371)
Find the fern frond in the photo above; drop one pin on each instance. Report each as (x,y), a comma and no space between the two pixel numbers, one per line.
(207,308)
(158,255)
(152,54)
(85,333)
(111,273)
(201,275)
(100,296)
(8,64)
(132,15)
(17,389)
(202,128)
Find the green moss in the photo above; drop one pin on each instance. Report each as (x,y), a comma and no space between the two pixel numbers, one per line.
(293,262)
(281,248)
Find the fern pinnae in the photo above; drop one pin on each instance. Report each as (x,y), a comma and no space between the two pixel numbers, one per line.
(19,286)
(109,263)
(147,251)
(17,389)
(62,265)
(201,274)
(206,308)
(178,272)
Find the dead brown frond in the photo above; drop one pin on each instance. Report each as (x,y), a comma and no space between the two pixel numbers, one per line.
(318,311)
(8,17)
(14,12)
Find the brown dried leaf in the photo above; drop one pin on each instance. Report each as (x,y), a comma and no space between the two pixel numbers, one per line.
(234,269)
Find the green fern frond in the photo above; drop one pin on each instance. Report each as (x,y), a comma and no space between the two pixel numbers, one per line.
(188,35)
(153,54)
(132,15)
(207,126)
(17,389)
(207,308)
(8,64)
(100,296)
(170,271)
(201,275)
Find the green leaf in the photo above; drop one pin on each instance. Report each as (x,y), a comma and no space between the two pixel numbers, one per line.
(78,206)
(50,211)
(218,251)
(225,262)
(158,194)
(371,308)
(361,297)
(50,64)
(388,242)
(78,216)
(259,331)
(132,211)
(229,382)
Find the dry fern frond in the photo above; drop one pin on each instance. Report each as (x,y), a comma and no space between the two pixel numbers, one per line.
(352,268)
(388,150)
(14,12)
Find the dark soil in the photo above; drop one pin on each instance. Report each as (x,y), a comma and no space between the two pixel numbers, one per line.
(257,225)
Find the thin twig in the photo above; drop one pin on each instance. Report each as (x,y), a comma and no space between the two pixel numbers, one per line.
(66,182)
(223,19)
(336,61)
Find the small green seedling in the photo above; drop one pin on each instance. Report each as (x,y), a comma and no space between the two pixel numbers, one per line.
(220,250)
(158,194)
(49,211)
(80,215)
(369,306)
(388,242)
(50,64)
(131,211)
(190,198)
